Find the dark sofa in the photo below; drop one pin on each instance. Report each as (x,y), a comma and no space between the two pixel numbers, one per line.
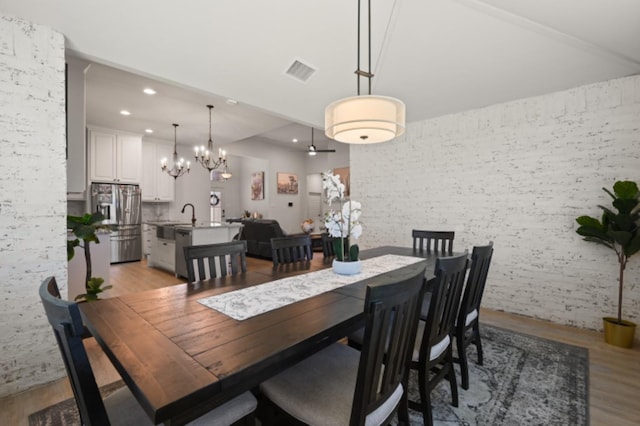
(258,234)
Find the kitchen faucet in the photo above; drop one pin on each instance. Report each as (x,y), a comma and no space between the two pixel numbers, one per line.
(193,213)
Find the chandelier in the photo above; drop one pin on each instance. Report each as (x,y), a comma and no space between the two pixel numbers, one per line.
(365,119)
(205,156)
(177,168)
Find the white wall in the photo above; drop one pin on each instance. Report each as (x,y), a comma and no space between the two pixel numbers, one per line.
(258,156)
(519,174)
(274,206)
(33,202)
(250,166)
(323,162)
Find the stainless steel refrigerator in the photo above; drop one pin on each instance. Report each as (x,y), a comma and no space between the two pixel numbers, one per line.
(122,208)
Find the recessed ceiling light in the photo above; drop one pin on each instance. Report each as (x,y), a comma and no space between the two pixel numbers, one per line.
(125,112)
(232,102)
(148,130)
(294,140)
(149,91)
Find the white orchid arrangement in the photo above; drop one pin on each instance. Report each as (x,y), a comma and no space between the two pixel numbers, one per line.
(343,223)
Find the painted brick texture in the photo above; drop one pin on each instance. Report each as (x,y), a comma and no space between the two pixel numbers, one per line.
(32,198)
(518,174)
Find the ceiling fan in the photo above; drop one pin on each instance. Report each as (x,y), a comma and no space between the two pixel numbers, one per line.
(312,148)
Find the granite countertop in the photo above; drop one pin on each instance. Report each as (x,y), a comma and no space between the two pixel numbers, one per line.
(98,232)
(165,222)
(209,225)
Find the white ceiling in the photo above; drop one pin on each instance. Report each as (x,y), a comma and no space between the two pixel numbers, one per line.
(438,56)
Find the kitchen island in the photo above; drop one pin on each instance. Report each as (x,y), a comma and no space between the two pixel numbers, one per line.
(200,234)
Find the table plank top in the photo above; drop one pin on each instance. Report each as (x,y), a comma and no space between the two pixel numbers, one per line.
(181,358)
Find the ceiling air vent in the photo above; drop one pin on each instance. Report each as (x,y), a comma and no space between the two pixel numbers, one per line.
(300,71)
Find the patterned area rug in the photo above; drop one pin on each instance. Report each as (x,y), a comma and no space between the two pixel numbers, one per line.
(65,413)
(524,381)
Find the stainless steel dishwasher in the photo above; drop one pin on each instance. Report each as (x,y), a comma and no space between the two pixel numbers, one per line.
(183,239)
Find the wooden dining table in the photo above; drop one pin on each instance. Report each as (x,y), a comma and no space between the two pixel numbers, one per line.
(180,358)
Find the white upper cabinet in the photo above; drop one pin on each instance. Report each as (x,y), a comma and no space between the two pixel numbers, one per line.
(114,156)
(76,129)
(157,186)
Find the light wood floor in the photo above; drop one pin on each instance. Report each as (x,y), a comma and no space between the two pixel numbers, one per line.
(614,376)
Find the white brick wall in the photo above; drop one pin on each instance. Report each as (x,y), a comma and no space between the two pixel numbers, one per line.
(32,198)
(519,174)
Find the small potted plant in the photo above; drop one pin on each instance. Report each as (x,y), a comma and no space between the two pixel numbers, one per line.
(84,228)
(342,225)
(617,231)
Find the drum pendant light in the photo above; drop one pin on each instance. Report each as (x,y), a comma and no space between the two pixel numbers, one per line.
(368,118)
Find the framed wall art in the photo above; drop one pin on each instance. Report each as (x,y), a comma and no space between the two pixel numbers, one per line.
(287,183)
(344,178)
(257,186)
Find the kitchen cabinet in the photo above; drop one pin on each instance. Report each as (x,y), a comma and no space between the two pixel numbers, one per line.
(148,235)
(156,186)
(163,254)
(76,129)
(114,156)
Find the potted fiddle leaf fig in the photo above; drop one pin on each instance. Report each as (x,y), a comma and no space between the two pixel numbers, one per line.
(618,231)
(84,228)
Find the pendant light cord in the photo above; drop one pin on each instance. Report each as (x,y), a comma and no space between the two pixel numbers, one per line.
(175,143)
(359,72)
(210,108)
(358,48)
(369,44)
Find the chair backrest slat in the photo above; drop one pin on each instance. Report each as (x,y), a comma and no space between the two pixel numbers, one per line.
(214,257)
(291,249)
(327,245)
(65,319)
(445,299)
(476,281)
(439,242)
(392,311)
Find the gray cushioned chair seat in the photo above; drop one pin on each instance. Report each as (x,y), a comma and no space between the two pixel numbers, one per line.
(436,350)
(319,390)
(123,409)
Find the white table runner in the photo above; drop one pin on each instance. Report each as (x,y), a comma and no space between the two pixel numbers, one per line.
(251,301)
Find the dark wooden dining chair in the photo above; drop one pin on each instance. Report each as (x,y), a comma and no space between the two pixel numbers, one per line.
(433,353)
(467,329)
(327,245)
(121,406)
(315,390)
(291,249)
(438,242)
(225,258)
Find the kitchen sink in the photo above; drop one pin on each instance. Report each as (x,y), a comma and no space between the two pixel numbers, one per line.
(168,231)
